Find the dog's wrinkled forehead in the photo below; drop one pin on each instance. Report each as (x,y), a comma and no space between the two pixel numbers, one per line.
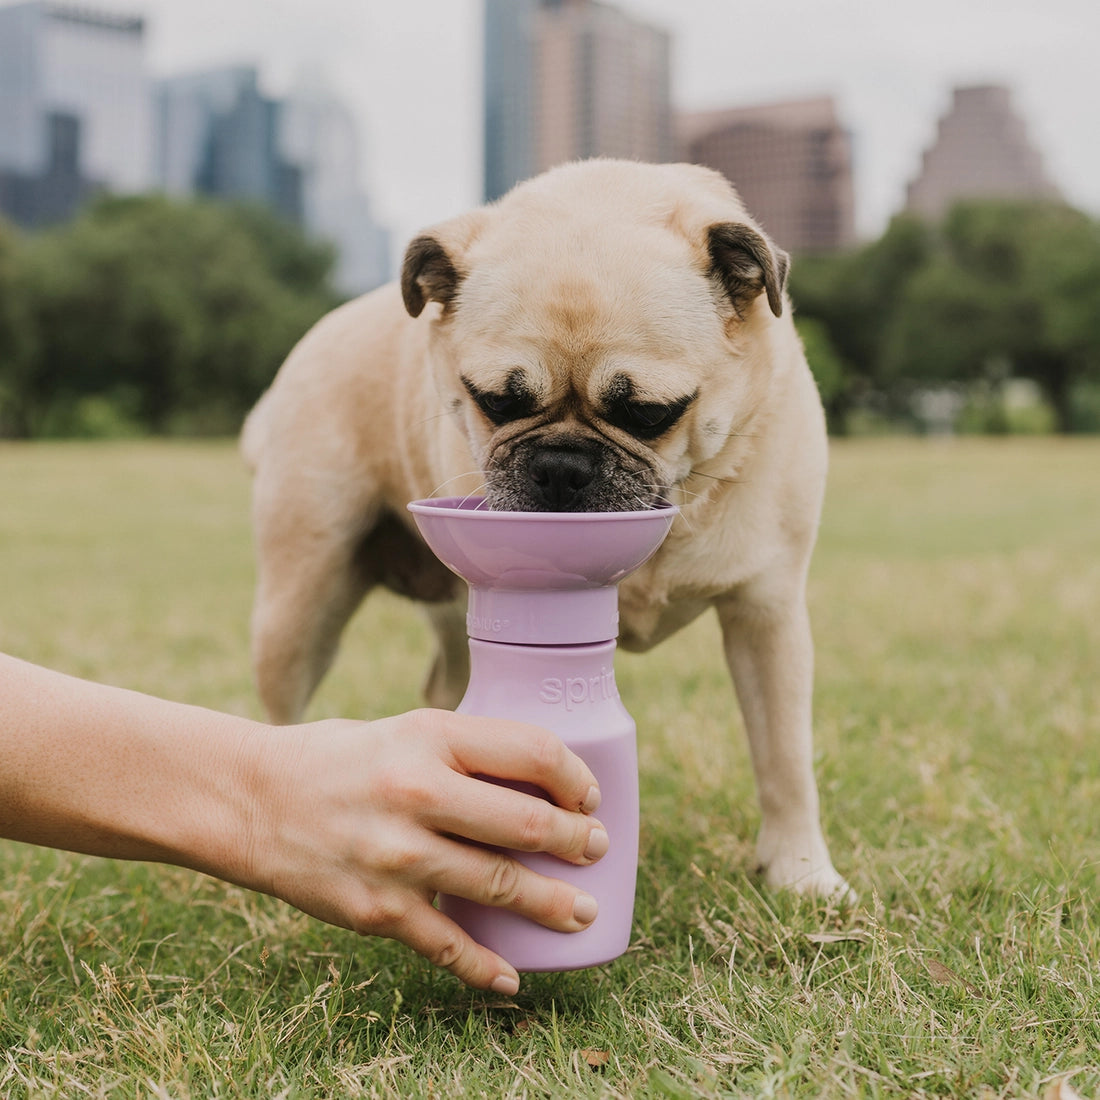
(578,306)
(597,270)
(579,314)
(569,340)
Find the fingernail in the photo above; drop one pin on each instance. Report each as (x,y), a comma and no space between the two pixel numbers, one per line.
(591,801)
(585,909)
(598,843)
(506,984)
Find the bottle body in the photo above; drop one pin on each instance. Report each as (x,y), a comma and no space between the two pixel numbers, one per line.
(571,691)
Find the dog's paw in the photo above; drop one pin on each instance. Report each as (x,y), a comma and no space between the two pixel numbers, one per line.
(805,869)
(814,882)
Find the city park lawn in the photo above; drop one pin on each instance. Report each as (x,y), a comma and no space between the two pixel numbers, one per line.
(955,596)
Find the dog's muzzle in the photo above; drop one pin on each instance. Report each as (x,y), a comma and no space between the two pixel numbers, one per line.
(569,475)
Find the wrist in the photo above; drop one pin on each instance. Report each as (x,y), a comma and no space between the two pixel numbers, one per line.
(226,834)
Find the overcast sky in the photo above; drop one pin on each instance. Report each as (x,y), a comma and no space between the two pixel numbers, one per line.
(411,70)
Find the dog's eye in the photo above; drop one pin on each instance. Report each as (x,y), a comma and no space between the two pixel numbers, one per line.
(647,419)
(499,407)
(513,404)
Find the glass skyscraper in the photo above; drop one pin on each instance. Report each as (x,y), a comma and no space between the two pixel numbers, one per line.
(75,108)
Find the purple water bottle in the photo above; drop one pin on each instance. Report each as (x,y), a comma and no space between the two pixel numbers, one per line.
(542,617)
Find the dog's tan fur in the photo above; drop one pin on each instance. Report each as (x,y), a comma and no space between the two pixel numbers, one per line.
(590,274)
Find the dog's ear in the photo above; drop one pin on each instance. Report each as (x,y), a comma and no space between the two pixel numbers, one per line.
(747,264)
(428,275)
(435,262)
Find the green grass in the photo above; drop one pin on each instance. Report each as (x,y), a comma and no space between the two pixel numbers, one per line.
(956,603)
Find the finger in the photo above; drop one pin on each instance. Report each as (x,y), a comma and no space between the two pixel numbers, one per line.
(491,813)
(435,936)
(518,751)
(494,878)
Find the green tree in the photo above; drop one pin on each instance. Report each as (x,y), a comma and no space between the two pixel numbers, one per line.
(852,296)
(178,313)
(300,264)
(1013,288)
(829,370)
(16,334)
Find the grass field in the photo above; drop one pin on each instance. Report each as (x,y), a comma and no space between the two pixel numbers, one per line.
(956,603)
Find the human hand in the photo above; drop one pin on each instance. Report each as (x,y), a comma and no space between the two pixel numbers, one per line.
(361,824)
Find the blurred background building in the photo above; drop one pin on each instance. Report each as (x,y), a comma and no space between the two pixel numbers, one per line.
(75,109)
(508,95)
(791,164)
(981,150)
(218,135)
(563,80)
(320,135)
(568,79)
(79,114)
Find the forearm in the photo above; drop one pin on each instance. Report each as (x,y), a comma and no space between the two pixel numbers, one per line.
(110,772)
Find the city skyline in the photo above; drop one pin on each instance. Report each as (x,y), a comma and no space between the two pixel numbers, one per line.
(411,74)
(81,113)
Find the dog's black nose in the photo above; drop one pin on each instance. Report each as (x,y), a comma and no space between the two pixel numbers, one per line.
(559,476)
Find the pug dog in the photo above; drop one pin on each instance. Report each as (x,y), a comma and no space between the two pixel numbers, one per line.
(606,335)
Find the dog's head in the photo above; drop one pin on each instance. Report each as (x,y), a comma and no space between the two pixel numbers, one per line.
(601,331)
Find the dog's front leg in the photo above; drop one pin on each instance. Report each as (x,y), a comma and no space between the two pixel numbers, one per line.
(769,650)
(450,669)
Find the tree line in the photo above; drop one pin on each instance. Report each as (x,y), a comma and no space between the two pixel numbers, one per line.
(149,315)
(998,291)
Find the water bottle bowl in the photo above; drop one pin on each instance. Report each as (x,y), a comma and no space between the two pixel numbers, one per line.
(542,619)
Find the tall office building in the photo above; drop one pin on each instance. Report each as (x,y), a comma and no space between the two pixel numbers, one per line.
(319,134)
(981,151)
(218,135)
(508,95)
(75,110)
(568,79)
(791,164)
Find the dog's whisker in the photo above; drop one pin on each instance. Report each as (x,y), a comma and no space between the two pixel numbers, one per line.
(470,496)
(714,477)
(684,521)
(681,495)
(427,421)
(692,493)
(480,491)
(438,490)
